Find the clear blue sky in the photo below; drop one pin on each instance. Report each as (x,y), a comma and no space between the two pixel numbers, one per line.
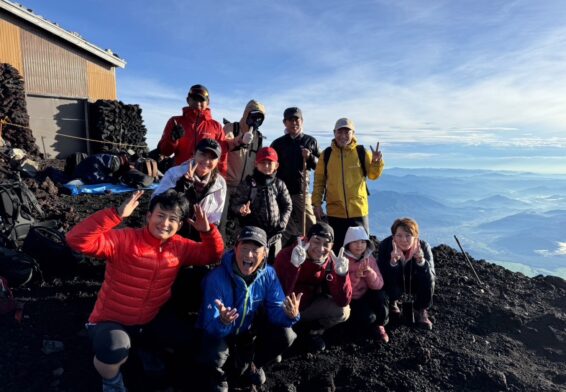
(465,84)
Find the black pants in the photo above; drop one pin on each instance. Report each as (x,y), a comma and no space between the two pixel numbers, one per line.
(112,341)
(341,225)
(370,309)
(418,281)
(260,346)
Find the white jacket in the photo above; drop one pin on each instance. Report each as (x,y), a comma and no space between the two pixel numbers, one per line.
(212,204)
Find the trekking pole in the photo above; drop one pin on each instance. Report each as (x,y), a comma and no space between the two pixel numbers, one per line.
(305,184)
(468,260)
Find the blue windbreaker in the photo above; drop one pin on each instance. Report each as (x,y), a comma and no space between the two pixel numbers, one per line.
(224,284)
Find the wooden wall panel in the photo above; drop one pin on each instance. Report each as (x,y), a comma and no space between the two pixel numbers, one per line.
(101,82)
(51,69)
(10,49)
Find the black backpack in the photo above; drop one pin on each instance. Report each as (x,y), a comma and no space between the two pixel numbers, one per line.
(47,245)
(17,208)
(17,267)
(360,149)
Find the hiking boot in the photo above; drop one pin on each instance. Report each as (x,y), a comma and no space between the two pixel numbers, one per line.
(115,384)
(395,310)
(382,334)
(256,375)
(315,344)
(423,320)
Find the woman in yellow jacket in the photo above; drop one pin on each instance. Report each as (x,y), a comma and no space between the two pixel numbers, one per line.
(340,179)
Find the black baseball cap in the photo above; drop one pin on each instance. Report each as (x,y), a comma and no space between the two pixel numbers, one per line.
(198,91)
(253,233)
(210,145)
(323,230)
(290,113)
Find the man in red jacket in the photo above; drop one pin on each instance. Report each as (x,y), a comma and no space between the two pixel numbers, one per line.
(141,266)
(182,133)
(311,268)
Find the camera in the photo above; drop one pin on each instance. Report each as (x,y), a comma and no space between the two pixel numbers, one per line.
(255,119)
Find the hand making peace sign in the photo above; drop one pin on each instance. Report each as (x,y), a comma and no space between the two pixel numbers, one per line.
(375,154)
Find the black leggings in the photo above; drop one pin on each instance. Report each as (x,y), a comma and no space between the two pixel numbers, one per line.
(112,341)
(370,308)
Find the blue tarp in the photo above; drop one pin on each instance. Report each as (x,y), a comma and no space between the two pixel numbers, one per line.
(100,189)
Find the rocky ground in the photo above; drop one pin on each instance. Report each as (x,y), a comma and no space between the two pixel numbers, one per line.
(508,333)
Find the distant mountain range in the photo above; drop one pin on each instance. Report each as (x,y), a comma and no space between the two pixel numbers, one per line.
(511,218)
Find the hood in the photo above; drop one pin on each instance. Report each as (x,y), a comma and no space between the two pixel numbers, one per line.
(356,233)
(252,105)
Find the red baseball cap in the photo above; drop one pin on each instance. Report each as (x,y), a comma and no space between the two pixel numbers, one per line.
(266,154)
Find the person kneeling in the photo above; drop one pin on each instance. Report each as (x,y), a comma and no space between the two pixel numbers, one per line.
(244,315)
(141,267)
(311,268)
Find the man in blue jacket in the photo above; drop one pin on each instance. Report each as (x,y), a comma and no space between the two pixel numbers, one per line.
(245,314)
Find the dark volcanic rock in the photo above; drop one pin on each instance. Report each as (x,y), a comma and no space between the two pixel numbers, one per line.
(507,334)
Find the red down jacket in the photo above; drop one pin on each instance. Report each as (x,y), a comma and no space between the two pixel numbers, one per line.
(140,270)
(198,125)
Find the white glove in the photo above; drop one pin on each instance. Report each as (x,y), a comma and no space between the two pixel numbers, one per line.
(299,254)
(247,138)
(341,263)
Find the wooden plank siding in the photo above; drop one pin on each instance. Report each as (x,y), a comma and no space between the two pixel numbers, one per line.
(10,49)
(101,81)
(52,69)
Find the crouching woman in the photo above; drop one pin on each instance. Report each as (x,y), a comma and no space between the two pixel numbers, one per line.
(407,265)
(244,315)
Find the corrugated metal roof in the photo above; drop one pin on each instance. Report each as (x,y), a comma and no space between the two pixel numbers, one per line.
(74,38)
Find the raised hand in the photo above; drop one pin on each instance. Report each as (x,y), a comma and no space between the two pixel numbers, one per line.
(306,153)
(291,305)
(375,154)
(200,223)
(190,174)
(396,254)
(419,254)
(363,267)
(245,209)
(177,132)
(299,254)
(340,262)
(247,138)
(129,205)
(227,314)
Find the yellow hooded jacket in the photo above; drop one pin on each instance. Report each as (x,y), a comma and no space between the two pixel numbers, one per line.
(240,162)
(345,187)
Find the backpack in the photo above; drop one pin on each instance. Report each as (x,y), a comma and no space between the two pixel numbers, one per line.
(48,247)
(136,179)
(360,149)
(72,161)
(17,204)
(17,267)
(148,167)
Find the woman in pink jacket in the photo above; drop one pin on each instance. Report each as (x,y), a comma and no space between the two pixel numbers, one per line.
(368,300)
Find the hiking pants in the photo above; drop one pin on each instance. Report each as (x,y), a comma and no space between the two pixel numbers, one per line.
(418,281)
(370,308)
(112,341)
(294,227)
(324,313)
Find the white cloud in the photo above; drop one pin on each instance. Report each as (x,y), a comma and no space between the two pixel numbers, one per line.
(559,251)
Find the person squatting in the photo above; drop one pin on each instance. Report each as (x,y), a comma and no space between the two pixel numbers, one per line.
(297,269)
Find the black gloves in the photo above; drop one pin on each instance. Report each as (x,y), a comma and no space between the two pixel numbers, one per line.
(178,131)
